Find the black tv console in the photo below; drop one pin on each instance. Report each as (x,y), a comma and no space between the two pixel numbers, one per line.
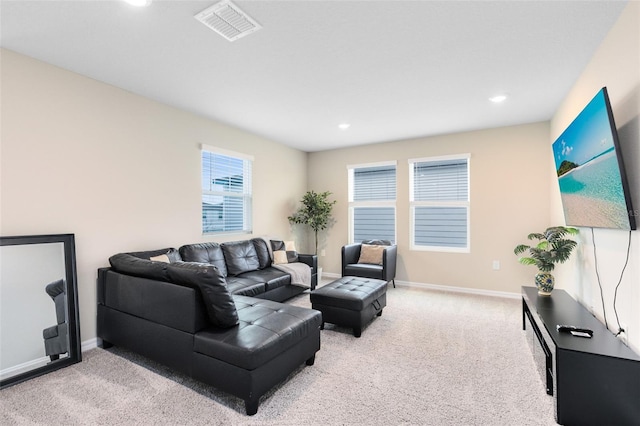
(594,381)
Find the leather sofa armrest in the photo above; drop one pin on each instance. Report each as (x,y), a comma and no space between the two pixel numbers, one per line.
(101,290)
(350,255)
(389,259)
(311,260)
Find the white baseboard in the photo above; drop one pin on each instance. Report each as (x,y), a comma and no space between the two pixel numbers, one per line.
(87,345)
(330,275)
(438,287)
(40,362)
(24,367)
(466,290)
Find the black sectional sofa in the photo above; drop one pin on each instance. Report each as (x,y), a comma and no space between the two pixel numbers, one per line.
(246,266)
(211,311)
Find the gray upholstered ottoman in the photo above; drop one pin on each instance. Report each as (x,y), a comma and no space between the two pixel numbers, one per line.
(350,301)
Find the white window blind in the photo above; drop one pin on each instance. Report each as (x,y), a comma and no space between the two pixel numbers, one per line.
(226,192)
(374,183)
(372,190)
(440,203)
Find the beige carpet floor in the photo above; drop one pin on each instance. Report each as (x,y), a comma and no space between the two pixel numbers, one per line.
(432,358)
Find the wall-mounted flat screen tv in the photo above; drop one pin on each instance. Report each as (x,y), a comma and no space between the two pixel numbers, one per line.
(593,184)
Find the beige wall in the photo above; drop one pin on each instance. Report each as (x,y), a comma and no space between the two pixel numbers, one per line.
(509,199)
(119,171)
(122,173)
(616,65)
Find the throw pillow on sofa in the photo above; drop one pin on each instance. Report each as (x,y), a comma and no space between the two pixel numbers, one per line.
(160,258)
(284,252)
(221,308)
(280,257)
(371,254)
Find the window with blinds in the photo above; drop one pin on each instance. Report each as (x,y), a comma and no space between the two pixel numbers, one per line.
(439,201)
(372,202)
(226,191)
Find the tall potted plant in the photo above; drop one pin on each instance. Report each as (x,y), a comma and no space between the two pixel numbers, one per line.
(315,212)
(552,248)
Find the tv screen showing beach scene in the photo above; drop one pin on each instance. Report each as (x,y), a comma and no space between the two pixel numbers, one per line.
(590,171)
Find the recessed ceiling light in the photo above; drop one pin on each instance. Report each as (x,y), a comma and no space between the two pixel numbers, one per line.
(344,126)
(139,3)
(498,98)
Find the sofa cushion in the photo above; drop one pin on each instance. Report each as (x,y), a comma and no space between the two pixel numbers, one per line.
(160,258)
(240,256)
(364,270)
(171,253)
(272,277)
(262,250)
(245,286)
(217,299)
(205,253)
(371,254)
(128,263)
(280,257)
(288,247)
(266,329)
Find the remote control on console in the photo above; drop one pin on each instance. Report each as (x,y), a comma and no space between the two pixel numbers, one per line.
(576,331)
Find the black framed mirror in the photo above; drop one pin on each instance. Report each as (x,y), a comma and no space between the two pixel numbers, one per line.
(39,323)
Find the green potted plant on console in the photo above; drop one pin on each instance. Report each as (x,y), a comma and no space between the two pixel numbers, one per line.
(552,248)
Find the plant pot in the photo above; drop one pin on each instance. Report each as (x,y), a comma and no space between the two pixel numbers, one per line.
(545,283)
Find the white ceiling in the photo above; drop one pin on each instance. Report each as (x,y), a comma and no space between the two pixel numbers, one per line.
(392,69)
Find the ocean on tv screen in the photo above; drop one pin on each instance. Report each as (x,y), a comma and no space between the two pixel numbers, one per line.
(592,194)
(589,173)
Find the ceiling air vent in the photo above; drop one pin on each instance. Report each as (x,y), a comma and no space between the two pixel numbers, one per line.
(228,20)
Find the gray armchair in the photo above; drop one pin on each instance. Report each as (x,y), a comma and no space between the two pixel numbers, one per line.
(386,271)
(56,341)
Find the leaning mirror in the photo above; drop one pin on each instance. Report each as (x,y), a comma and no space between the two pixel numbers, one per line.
(39,327)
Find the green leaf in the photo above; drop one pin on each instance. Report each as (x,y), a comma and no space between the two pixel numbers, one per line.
(527,261)
(542,245)
(552,248)
(536,236)
(315,212)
